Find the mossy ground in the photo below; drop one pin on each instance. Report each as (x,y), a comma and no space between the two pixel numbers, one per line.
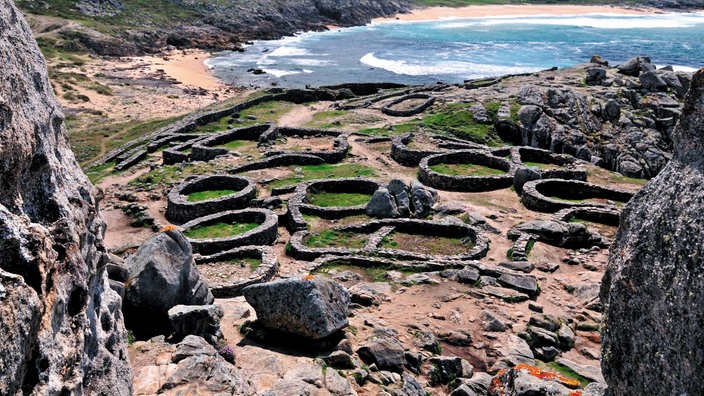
(466,170)
(335,239)
(219,230)
(328,199)
(424,244)
(323,171)
(209,194)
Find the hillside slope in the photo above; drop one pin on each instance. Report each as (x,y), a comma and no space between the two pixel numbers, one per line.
(129,27)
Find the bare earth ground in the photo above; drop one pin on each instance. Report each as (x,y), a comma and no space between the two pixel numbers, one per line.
(177,83)
(446,307)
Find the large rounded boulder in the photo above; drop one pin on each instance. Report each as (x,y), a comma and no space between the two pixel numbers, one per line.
(312,308)
(163,275)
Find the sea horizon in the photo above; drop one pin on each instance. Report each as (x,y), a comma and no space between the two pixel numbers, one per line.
(453,50)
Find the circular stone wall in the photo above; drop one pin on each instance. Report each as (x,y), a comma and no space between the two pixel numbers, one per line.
(446,182)
(180,210)
(231,286)
(551,195)
(264,234)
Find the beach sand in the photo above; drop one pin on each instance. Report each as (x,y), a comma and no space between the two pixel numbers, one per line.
(479,11)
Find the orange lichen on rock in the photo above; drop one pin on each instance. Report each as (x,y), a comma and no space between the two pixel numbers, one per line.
(496,384)
(308,277)
(169,227)
(548,376)
(575,393)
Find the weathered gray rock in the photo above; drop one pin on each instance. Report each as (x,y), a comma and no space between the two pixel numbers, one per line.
(200,320)
(205,374)
(636,65)
(449,368)
(192,345)
(651,81)
(523,175)
(386,353)
(492,322)
(382,205)
(162,275)
(422,199)
(520,282)
(340,360)
(314,308)
(652,287)
(61,326)
(512,352)
(411,387)
(399,190)
(595,75)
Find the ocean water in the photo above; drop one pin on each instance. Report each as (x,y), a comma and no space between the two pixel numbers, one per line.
(453,50)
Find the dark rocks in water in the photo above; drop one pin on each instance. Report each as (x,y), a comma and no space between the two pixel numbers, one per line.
(314,308)
(163,275)
(652,287)
(62,327)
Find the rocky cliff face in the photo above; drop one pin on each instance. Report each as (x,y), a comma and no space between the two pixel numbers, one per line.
(61,329)
(146,27)
(652,290)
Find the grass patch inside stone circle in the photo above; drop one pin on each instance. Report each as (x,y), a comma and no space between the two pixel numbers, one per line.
(209,194)
(370,274)
(466,170)
(324,171)
(236,144)
(328,199)
(425,244)
(540,165)
(219,230)
(333,238)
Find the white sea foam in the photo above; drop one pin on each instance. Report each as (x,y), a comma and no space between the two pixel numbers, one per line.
(289,51)
(280,73)
(467,69)
(601,21)
(311,62)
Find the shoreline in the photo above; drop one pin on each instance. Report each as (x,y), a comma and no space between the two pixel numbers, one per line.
(483,11)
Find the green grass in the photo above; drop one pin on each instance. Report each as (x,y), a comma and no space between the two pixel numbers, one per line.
(236,144)
(397,129)
(588,327)
(210,194)
(466,170)
(252,263)
(425,244)
(333,238)
(168,175)
(324,171)
(92,136)
(569,373)
(540,165)
(327,199)
(602,176)
(372,274)
(219,230)
(455,119)
(328,119)
(97,173)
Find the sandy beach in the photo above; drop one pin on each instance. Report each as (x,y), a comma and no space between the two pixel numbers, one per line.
(480,11)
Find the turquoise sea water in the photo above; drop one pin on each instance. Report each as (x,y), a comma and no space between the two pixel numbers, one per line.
(453,50)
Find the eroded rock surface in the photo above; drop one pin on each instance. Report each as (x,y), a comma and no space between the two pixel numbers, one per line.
(314,308)
(652,287)
(61,329)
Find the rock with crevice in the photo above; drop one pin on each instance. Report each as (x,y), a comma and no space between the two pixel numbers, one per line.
(651,290)
(62,327)
(163,275)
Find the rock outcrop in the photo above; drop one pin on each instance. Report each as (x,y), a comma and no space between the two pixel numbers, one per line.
(652,287)
(163,275)
(61,327)
(314,308)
